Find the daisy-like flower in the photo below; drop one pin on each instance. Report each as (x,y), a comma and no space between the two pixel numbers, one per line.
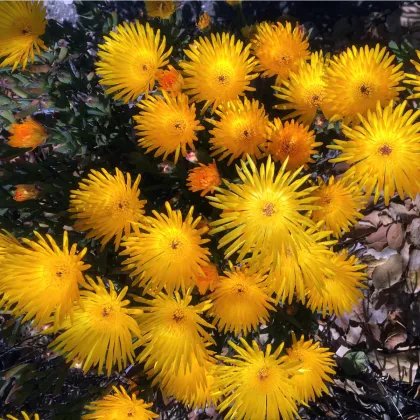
(204,178)
(240,301)
(24,192)
(129,60)
(209,280)
(8,243)
(315,368)
(220,70)
(42,279)
(339,202)
(119,406)
(166,251)
(256,384)
(294,141)
(160,9)
(357,79)
(101,331)
(340,291)
(264,214)
(24,417)
(167,124)
(204,21)
(170,80)
(304,92)
(21,25)
(279,49)
(296,272)
(185,388)
(242,129)
(174,332)
(105,205)
(27,134)
(384,151)
(414,79)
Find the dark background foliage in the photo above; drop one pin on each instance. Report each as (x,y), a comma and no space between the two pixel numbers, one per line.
(89,130)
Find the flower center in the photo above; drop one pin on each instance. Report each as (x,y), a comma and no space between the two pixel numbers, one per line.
(58,275)
(283,60)
(326,199)
(178,315)
(240,289)
(315,96)
(366,89)
(263,374)
(223,75)
(179,127)
(385,150)
(268,210)
(287,146)
(120,208)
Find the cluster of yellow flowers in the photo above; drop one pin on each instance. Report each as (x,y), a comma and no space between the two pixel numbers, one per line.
(275,223)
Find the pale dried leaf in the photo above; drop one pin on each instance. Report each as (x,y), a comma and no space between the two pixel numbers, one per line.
(388,273)
(378,240)
(415,232)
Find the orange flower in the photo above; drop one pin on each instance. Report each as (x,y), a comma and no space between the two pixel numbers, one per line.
(204,21)
(209,280)
(27,134)
(25,192)
(204,178)
(170,80)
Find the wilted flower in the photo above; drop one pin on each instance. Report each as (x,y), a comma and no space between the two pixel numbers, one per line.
(204,178)
(160,9)
(204,21)
(27,134)
(25,192)
(170,80)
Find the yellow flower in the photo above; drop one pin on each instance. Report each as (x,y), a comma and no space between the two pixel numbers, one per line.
(174,333)
(129,60)
(243,129)
(170,80)
(119,406)
(264,214)
(340,291)
(209,280)
(315,368)
(204,178)
(233,2)
(101,330)
(167,124)
(42,279)
(384,151)
(27,134)
(166,251)
(414,79)
(297,272)
(292,140)
(24,417)
(279,49)
(240,301)
(340,202)
(257,384)
(25,192)
(8,244)
(357,79)
(21,25)
(185,388)
(106,205)
(220,69)
(160,9)
(204,21)
(304,92)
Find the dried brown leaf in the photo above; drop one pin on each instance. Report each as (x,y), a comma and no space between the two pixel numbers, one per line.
(395,236)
